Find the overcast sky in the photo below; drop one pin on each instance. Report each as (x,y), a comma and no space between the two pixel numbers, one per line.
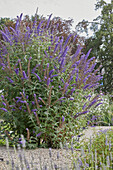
(76,9)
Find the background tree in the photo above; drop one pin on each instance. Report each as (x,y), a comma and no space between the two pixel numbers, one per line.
(101,41)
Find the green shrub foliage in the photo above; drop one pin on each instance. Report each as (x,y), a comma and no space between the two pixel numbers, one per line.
(41,84)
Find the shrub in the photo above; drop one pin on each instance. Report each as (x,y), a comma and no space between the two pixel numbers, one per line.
(42,85)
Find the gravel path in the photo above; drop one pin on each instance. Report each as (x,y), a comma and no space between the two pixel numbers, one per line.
(60,157)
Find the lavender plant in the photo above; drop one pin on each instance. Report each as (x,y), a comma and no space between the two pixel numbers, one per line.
(41,82)
(94,154)
(98,153)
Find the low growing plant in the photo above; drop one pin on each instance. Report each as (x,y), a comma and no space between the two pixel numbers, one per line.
(98,153)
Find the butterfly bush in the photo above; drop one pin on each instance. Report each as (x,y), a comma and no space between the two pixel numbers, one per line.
(45,88)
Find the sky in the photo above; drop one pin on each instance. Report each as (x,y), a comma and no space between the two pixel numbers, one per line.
(66,9)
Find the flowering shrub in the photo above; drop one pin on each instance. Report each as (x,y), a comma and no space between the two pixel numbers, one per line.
(42,82)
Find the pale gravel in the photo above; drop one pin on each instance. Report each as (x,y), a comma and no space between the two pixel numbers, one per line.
(64,161)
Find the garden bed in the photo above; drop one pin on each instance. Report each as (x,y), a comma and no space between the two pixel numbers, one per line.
(41,156)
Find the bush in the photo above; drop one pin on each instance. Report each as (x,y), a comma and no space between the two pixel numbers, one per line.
(43,85)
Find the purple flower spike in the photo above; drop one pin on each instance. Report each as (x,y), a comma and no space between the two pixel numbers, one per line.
(50,73)
(4,103)
(61,98)
(33,70)
(86,86)
(27,129)
(33,103)
(87,54)
(47,65)
(17,71)
(63,118)
(54,75)
(71,98)
(98,104)
(34,110)
(4,109)
(37,77)
(46,54)
(67,39)
(72,90)
(48,22)
(48,81)
(30,58)
(38,134)
(74,38)
(24,75)
(62,80)
(35,114)
(62,63)
(11,81)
